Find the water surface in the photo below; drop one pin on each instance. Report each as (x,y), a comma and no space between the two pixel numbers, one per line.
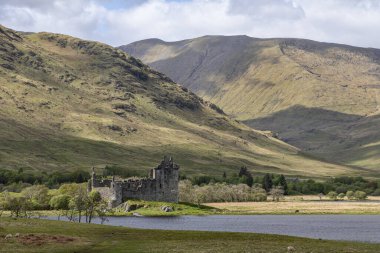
(365,228)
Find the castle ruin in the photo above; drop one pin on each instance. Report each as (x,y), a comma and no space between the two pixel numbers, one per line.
(161,185)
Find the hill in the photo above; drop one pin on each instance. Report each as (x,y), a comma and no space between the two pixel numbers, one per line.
(68,104)
(320,97)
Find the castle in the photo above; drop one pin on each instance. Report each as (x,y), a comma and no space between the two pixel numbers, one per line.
(161,185)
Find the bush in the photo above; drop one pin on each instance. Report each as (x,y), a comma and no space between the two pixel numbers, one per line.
(376,192)
(341,196)
(259,197)
(350,195)
(277,193)
(332,195)
(217,109)
(360,195)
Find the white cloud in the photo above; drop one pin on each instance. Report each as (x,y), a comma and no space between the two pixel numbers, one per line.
(267,9)
(353,22)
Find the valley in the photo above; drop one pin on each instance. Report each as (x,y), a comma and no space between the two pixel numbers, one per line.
(320,97)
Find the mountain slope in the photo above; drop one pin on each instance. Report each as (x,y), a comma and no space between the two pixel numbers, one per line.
(70,104)
(266,82)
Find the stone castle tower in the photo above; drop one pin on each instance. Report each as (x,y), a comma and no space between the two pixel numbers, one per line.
(161,185)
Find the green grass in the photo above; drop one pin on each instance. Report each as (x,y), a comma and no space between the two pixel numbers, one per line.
(101,238)
(153,208)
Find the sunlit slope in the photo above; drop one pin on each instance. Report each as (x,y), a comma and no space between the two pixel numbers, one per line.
(261,81)
(70,104)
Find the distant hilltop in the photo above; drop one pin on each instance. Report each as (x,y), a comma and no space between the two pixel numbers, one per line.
(323,98)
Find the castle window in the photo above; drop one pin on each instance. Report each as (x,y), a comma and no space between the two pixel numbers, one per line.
(160,186)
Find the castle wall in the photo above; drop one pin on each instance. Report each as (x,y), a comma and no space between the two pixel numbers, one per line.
(161,186)
(167,185)
(140,189)
(105,192)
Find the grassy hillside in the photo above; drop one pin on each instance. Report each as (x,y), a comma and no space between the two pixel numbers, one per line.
(291,86)
(70,104)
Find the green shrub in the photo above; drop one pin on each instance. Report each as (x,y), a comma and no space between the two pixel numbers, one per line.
(350,195)
(332,195)
(360,195)
(376,192)
(341,196)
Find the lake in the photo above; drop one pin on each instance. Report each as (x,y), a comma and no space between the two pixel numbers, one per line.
(365,228)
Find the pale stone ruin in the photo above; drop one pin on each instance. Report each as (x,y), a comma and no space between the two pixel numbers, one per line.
(161,185)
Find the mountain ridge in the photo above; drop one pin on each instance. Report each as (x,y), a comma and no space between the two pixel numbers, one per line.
(69,104)
(253,79)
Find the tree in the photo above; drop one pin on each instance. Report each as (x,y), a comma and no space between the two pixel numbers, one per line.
(245,176)
(243,171)
(249,181)
(37,195)
(78,202)
(185,191)
(277,193)
(200,195)
(60,202)
(93,202)
(341,189)
(17,205)
(360,195)
(3,196)
(267,182)
(376,192)
(79,178)
(283,184)
(350,195)
(332,195)
(69,189)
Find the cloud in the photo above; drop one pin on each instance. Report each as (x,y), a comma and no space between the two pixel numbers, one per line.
(117,22)
(267,9)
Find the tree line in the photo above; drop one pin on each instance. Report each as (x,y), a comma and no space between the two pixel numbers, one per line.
(70,200)
(16,180)
(219,192)
(293,185)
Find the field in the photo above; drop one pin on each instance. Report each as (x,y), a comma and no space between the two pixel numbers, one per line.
(302,205)
(55,236)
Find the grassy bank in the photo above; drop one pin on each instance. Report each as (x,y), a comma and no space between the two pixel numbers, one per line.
(54,236)
(152,208)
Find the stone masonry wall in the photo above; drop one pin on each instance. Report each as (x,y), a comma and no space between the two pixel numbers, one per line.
(161,186)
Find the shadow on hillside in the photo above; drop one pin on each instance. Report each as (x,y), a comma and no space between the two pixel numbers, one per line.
(334,136)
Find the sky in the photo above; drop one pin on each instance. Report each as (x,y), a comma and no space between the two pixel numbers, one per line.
(119,22)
